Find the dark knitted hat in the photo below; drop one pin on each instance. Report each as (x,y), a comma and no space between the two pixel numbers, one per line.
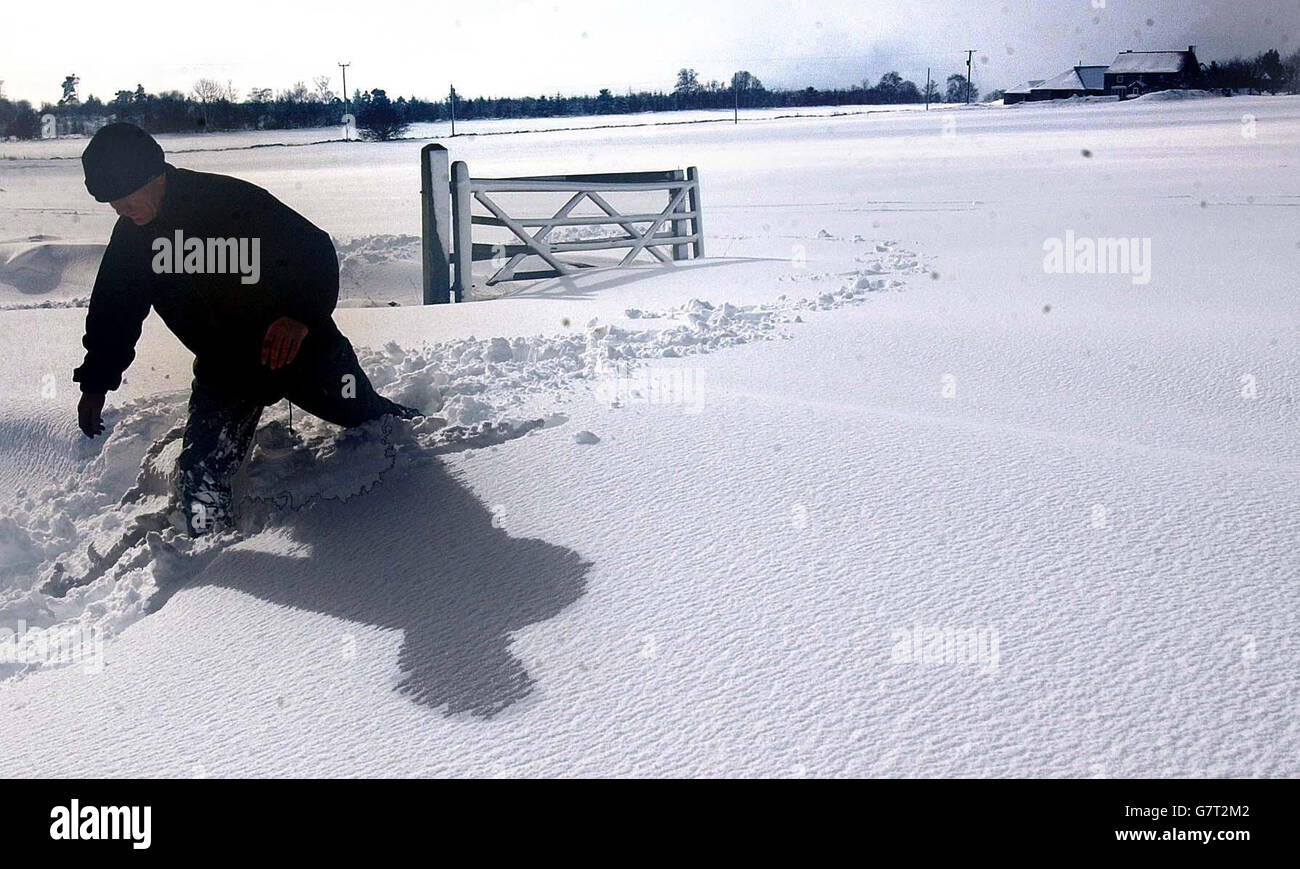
(120,159)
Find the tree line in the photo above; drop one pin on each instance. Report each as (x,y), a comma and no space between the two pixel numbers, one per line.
(1268,72)
(213,105)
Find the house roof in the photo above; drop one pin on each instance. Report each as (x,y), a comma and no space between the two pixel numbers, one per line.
(1076,78)
(1093,77)
(1024,88)
(1148,61)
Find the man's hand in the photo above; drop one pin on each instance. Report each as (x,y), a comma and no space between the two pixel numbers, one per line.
(90,413)
(280,347)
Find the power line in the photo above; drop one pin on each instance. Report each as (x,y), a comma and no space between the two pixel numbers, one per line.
(970,52)
(344,67)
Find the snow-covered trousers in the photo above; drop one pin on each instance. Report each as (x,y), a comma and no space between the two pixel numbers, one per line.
(220,429)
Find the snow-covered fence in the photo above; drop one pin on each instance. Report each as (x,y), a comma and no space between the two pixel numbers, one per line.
(449,193)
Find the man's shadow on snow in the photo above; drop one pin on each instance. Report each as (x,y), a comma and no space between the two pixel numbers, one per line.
(420,552)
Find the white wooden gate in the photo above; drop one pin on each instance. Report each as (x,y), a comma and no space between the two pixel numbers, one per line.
(449,194)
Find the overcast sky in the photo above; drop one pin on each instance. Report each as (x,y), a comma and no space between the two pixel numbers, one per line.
(517,47)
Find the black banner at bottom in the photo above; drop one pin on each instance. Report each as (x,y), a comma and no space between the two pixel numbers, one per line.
(300,817)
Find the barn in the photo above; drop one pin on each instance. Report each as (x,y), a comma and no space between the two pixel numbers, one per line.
(1138,72)
(1020,94)
(1077,81)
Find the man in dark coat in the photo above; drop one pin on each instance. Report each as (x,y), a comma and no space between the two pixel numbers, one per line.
(245,282)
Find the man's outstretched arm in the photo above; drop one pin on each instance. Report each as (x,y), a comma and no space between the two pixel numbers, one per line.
(119,302)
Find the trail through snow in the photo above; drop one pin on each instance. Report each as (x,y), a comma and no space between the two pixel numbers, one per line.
(93,551)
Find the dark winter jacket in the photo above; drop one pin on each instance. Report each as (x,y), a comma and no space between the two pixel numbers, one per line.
(218,316)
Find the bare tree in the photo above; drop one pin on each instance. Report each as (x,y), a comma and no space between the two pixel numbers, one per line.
(296,94)
(207,91)
(322,94)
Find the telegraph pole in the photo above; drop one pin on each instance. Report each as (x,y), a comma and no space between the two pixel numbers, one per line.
(344,67)
(453,110)
(970,52)
(927,88)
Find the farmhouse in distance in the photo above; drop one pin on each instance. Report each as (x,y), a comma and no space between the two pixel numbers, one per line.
(1132,74)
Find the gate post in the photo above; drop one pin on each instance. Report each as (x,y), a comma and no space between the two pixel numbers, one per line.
(693,176)
(435,217)
(680,251)
(462,208)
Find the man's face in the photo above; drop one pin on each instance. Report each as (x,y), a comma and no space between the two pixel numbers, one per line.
(141,207)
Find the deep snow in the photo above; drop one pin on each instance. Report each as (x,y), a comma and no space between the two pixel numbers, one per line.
(700,520)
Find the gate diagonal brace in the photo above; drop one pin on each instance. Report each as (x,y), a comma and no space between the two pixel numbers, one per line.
(507,272)
(540,246)
(654,227)
(632,231)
